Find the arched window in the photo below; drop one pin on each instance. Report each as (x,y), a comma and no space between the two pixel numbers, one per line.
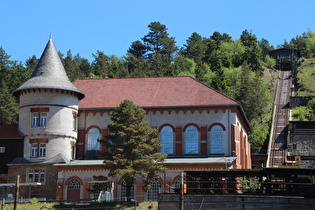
(191,140)
(74,184)
(124,191)
(216,140)
(154,190)
(93,136)
(167,140)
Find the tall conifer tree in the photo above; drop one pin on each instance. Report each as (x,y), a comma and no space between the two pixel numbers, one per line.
(132,146)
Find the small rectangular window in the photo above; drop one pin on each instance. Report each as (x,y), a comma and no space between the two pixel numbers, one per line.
(74,123)
(35,119)
(36,175)
(2,149)
(42,150)
(34,150)
(42,176)
(30,175)
(39,117)
(43,119)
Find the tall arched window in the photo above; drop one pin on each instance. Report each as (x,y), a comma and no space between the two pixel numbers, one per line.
(154,190)
(124,191)
(191,140)
(216,140)
(167,140)
(93,136)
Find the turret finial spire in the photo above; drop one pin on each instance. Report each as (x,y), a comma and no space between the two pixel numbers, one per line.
(50,36)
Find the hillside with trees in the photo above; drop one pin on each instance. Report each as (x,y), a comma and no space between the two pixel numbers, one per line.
(240,68)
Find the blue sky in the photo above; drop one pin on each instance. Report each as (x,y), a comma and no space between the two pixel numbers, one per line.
(112,25)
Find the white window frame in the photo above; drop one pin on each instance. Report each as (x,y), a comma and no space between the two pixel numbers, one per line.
(42,150)
(35,117)
(36,175)
(39,119)
(34,150)
(43,119)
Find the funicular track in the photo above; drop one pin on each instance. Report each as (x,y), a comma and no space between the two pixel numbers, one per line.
(278,135)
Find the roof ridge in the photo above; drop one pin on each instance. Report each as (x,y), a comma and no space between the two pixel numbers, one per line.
(119,78)
(216,90)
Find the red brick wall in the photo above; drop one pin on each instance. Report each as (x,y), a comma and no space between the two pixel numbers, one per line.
(204,141)
(80,144)
(179,141)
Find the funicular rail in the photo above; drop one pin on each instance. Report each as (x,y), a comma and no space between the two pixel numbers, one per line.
(278,143)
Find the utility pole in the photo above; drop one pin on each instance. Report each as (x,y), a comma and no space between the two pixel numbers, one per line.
(16,196)
(17,185)
(181,191)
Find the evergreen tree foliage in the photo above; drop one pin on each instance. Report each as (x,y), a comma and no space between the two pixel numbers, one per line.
(253,94)
(132,146)
(161,50)
(195,48)
(253,54)
(100,66)
(136,66)
(8,107)
(11,75)
(220,82)
(265,47)
(137,49)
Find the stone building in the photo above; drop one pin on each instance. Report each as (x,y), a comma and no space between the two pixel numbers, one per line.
(200,128)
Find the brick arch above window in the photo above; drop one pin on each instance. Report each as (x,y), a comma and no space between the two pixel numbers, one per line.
(92,126)
(73,178)
(214,124)
(191,124)
(164,125)
(121,179)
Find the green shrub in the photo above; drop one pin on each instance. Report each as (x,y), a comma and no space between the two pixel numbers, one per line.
(250,184)
(300,113)
(34,201)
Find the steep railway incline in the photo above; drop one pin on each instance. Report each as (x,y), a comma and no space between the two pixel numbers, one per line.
(278,135)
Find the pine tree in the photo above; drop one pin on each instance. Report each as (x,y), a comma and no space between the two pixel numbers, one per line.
(132,146)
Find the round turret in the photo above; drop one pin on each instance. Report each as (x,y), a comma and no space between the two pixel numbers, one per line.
(48,109)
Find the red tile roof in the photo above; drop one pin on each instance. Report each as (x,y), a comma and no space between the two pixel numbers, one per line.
(10,132)
(149,92)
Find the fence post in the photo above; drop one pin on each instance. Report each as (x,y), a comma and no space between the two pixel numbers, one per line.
(17,186)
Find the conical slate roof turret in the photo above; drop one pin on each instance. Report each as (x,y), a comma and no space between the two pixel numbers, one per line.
(49,74)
